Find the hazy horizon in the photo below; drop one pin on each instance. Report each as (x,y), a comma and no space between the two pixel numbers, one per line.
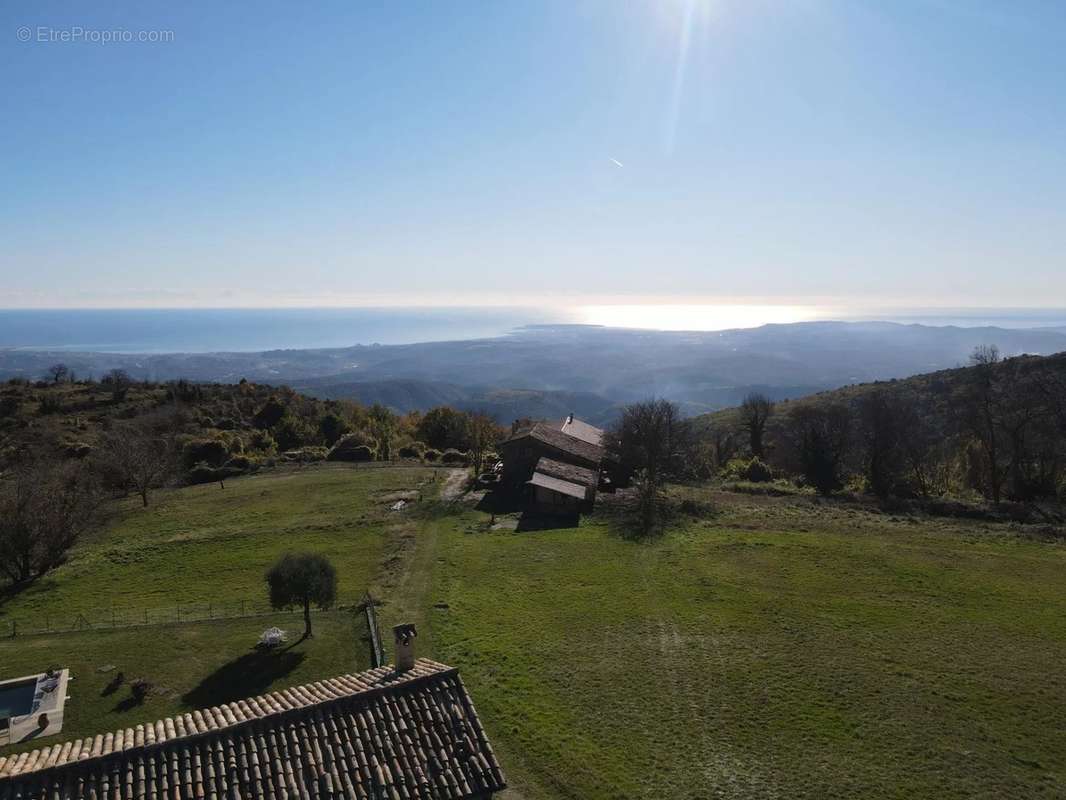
(158,331)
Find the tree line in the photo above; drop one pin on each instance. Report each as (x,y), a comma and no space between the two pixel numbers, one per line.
(993,431)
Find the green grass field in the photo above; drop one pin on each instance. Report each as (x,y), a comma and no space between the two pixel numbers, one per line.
(776,647)
(206,547)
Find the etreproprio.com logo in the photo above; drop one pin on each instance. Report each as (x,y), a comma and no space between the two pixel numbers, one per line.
(79,34)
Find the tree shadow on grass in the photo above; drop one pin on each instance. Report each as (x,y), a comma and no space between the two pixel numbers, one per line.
(246,676)
(9,591)
(127,704)
(534,521)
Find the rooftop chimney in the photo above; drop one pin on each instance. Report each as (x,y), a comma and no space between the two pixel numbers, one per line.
(405,646)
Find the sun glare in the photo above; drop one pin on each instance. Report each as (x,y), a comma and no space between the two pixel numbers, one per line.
(694,317)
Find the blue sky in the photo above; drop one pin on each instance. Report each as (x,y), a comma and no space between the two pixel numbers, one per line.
(905,153)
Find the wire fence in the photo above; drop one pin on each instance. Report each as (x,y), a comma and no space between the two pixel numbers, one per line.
(377,652)
(143,616)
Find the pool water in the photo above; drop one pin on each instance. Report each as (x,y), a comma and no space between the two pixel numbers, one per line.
(16,699)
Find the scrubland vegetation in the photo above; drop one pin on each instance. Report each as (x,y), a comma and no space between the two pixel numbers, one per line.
(69,447)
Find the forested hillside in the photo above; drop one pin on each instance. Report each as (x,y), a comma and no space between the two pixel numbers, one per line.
(996,428)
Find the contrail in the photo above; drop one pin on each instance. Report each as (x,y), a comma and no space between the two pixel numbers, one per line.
(616,162)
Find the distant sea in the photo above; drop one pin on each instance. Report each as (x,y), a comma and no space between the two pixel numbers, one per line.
(253,330)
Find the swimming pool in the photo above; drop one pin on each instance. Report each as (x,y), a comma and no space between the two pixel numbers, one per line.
(16,698)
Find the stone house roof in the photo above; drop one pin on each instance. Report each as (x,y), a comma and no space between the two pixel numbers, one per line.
(374,734)
(572,473)
(559,486)
(551,434)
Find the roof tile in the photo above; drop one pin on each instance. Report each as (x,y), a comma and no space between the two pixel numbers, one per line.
(375,734)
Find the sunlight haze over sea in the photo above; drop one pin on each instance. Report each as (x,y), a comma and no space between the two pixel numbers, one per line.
(250,330)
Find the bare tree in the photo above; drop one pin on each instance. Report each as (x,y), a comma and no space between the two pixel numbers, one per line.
(484,434)
(44,508)
(881,419)
(651,437)
(119,382)
(918,444)
(983,412)
(141,457)
(652,443)
(724,443)
(59,372)
(754,413)
(822,437)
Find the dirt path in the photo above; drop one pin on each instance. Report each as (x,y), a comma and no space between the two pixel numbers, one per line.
(453,484)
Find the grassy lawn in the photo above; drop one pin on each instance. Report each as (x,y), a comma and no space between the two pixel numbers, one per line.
(199,545)
(775,647)
(190,666)
(777,650)
(204,544)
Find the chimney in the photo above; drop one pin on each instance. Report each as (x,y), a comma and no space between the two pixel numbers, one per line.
(405,646)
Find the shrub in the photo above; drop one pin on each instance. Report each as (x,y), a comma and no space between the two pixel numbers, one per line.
(49,404)
(456,457)
(204,473)
(409,451)
(351,447)
(292,433)
(77,449)
(431,454)
(263,442)
(140,690)
(212,452)
(269,415)
(241,463)
(332,428)
(444,427)
(754,470)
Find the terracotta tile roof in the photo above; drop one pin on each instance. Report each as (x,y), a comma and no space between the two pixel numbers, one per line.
(567,472)
(550,433)
(375,734)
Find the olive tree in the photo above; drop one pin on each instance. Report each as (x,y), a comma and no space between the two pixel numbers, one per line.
(300,579)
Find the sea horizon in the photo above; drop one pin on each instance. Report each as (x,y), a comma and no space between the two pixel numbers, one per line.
(190,330)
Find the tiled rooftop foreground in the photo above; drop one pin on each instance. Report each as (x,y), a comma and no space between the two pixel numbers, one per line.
(374,734)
